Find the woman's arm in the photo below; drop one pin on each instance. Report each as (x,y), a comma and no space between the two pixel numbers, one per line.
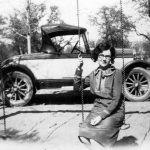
(77,80)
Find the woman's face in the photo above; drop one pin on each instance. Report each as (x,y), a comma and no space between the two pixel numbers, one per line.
(104,58)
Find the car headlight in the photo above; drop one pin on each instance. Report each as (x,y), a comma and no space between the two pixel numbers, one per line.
(10,61)
(15,60)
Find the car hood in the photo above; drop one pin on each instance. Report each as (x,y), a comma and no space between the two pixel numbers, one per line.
(16,59)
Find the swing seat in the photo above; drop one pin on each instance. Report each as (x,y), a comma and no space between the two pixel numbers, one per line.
(83,126)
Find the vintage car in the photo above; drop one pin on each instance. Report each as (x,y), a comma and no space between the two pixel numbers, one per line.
(54,67)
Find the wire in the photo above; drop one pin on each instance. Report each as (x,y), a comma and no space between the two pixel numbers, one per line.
(82,95)
(125,126)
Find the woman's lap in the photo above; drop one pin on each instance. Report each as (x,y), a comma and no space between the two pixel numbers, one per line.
(106,132)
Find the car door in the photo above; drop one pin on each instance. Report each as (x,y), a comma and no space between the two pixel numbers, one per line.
(68,60)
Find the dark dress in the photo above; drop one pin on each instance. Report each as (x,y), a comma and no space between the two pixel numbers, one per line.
(106,86)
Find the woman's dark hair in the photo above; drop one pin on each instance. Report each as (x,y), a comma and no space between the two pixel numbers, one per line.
(103,47)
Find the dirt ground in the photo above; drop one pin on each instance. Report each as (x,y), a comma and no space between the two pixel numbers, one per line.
(51,122)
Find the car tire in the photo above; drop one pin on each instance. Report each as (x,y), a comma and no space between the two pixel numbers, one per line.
(18,89)
(137,85)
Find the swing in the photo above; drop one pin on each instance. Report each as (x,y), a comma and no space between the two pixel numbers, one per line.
(4,134)
(125,126)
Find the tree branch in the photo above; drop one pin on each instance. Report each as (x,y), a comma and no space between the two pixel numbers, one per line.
(141,34)
(17,32)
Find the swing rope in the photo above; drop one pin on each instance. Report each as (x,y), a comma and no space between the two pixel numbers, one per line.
(125,126)
(3,100)
(82,94)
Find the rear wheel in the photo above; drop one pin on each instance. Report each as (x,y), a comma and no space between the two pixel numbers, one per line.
(137,85)
(18,88)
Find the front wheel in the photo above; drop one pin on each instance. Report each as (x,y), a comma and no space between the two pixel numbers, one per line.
(137,85)
(18,88)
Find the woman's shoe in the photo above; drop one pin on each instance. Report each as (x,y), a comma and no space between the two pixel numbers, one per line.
(84,140)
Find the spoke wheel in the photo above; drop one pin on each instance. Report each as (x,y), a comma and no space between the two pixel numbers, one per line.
(18,88)
(137,85)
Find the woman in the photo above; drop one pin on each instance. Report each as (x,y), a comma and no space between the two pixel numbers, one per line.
(106,117)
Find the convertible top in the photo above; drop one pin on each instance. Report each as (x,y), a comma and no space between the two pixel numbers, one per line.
(53,30)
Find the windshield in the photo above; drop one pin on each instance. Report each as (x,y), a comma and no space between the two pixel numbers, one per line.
(69,44)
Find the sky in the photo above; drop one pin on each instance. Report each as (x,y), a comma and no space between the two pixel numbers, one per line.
(68,9)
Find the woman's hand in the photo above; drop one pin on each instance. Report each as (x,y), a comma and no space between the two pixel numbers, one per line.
(80,61)
(96,120)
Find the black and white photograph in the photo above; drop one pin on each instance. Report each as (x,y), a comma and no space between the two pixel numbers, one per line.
(74,74)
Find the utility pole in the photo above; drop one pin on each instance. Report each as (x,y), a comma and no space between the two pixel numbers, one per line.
(29,29)
(149,8)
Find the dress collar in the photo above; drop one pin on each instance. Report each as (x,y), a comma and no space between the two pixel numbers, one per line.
(105,73)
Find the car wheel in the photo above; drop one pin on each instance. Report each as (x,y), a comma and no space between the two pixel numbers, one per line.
(18,88)
(137,85)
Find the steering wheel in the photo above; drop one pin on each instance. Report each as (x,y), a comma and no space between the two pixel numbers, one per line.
(76,48)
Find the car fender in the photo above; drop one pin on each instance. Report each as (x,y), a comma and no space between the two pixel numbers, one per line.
(135,63)
(23,69)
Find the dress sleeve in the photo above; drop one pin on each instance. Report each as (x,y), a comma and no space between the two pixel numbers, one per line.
(117,90)
(77,80)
